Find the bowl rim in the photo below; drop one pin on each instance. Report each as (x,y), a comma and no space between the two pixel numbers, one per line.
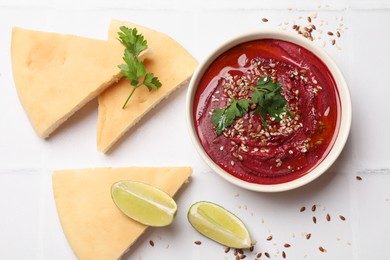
(345,102)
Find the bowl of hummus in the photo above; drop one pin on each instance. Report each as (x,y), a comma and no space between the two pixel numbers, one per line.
(269,111)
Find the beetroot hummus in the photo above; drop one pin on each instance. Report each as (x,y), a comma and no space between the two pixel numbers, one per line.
(270,150)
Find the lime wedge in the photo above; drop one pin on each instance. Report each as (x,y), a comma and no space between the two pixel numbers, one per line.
(144,203)
(218,224)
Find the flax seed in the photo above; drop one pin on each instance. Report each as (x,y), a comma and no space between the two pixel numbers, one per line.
(308,236)
(302,209)
(267,255)
(197,242)
(227,250)
(342,217)
(283,254)
(323,250)
(287,245)
(327,217)
(269,238)
(358,178)
(314,220)
(259,255)
(333,42)
(313,208)
(330,33)
(264,20)
(151,242)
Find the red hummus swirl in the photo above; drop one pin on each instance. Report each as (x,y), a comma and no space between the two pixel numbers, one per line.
(284,150)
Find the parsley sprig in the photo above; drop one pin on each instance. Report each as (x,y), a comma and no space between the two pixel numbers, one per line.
(224,117)
(134,69)
(268,100)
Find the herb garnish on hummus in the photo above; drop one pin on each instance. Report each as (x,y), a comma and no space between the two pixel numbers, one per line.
(266,100)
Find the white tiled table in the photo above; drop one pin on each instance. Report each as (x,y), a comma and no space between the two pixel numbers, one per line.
(29,226)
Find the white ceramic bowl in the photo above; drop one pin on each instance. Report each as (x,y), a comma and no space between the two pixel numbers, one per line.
(346,108)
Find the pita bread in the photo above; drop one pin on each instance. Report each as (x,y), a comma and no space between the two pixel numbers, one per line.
(94,226)
(168,60)
(57,74)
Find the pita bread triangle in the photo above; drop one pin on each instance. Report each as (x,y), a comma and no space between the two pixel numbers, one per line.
(168,60)
(57,74)
(94,226)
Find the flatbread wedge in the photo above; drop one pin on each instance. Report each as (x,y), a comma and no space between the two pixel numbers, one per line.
(56,74)
(168,60)
(93,225)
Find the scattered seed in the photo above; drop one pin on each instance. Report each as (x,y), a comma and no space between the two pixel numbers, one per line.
(269,238)
(323,250)
(283,254)
(327,217)
(302,209)
(330,33)
(333,42)
(313,208)
(227,250)
(267,254)
(251,248)
(242,256)
(197,242)
(264,20)
(308,236)
(358,178)
(259,255)
(151,242)
(314,220)
(342,217)
(287,245)
(338,34)
(309,19)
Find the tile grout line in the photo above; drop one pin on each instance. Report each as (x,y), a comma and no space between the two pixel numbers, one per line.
(43,193)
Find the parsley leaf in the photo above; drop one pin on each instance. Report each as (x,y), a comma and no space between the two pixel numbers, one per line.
(133,41)
(269,100)
(134,69)
(224,117)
